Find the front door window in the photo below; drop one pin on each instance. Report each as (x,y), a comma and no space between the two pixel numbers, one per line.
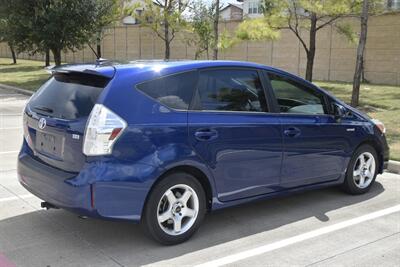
(293,97)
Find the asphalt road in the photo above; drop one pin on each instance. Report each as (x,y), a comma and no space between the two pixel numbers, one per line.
(320,228)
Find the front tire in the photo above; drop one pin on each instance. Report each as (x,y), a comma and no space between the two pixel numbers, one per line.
(362,170)
(175,209)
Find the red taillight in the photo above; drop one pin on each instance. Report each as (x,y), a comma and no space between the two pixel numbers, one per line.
(114,133)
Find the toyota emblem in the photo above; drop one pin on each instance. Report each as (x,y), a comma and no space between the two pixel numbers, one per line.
(42,123)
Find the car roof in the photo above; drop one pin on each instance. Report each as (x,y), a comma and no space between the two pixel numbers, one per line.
(107,68)
(188,64)
(182,65)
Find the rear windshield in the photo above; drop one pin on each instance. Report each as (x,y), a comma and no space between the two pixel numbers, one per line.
(68,95)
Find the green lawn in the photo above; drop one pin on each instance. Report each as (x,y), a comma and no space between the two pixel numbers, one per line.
(379,101)
(26,74)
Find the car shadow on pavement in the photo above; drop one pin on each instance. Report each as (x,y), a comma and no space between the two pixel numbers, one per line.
(126,243)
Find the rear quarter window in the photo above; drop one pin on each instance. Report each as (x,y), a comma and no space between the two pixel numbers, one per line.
(174,91)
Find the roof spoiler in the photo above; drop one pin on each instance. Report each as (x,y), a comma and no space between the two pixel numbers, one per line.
(85,68)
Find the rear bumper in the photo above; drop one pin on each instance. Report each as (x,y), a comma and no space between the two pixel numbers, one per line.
(101,189)
(48,184)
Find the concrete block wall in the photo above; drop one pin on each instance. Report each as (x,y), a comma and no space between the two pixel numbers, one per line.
(334,61)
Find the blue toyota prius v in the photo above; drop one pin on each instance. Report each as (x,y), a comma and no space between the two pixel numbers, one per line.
(163,143)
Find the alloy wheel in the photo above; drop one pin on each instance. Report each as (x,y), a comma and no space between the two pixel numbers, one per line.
(364,170)
(178,209)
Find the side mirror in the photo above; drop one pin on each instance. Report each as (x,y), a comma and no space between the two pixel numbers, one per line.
(339,111)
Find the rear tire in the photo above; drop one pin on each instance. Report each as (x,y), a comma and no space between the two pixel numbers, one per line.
(361,171)
(175,209)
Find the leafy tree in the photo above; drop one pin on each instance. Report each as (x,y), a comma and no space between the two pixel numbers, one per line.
(204,19)
(368,7)
(5,34)
(164,17)
(201,28)
(300,17)
(216,7)
(106,13)
(55,25)
(360,54)
(5,37)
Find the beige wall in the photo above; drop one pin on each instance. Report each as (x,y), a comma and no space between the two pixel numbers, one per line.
(334,61)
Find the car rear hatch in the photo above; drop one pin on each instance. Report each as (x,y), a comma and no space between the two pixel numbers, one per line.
(56,116)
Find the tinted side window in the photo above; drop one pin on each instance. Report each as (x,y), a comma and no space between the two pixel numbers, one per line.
(233,90)
(174,91)
(293,97)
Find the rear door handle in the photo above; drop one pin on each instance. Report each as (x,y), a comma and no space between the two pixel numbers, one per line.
(292,132)
(206,134)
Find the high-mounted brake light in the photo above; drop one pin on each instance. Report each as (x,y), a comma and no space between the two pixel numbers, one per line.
(103,129)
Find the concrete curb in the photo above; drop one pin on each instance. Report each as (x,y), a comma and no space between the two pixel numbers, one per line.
(394,166)
(16,89)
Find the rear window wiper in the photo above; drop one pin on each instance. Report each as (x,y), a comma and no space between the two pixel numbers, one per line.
(45,109)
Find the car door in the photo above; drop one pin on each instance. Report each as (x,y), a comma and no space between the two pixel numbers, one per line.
(315,145)
(231,130)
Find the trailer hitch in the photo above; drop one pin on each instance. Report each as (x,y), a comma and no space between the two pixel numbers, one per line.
(47,205)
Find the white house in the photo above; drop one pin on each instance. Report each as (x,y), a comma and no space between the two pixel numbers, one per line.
(232,11)
(393,5)
(252,9)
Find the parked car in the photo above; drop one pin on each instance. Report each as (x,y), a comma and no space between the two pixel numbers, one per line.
(163,143)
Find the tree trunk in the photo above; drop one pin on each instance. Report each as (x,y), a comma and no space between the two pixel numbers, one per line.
(14,56)
(98,50)
(57,56)
(47,58)
(167,50)
(360,55)
(363,79)
(311,49)
(216,21)
(310,65)
(98,45)
(166,39)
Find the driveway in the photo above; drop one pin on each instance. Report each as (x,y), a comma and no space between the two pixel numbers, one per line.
(321,228)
